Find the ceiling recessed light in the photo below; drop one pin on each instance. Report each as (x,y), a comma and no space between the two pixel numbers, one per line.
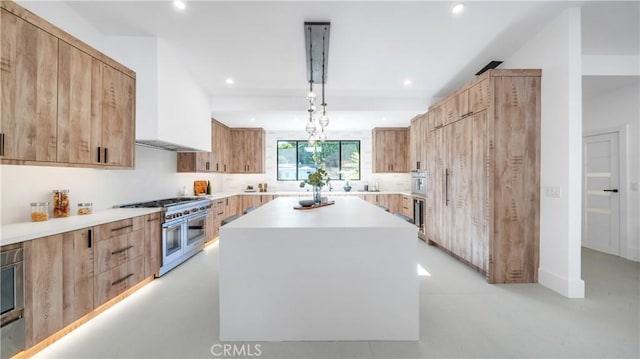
(252,119)
(457,8)
(229,81)
(407,82)
(384,119)
(179,4)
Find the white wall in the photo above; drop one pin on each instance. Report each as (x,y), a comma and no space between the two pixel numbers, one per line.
(155,177)
(386,181)
(611,110)
(556,49)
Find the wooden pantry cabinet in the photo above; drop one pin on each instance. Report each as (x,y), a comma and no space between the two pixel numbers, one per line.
(215,161)
(483,176)
(69,275)
(247,150)
(63,103)
(390,149)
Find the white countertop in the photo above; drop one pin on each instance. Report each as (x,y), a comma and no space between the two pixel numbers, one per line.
(221,195)
(20,232)
(347,212)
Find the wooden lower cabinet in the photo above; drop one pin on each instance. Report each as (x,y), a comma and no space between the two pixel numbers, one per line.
(152,244)
(119,258)
(69,275)
(406,206)
(43,290)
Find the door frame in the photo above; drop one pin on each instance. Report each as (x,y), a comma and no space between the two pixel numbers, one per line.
(622,185)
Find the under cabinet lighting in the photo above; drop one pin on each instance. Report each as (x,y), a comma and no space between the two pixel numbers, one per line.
(179,4)
(457,8)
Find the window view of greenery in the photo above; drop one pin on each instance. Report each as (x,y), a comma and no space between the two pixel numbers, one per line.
(297,159)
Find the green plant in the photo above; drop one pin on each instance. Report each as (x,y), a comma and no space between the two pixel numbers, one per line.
(318,178)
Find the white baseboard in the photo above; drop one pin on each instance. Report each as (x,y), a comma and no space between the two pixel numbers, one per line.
(568,288)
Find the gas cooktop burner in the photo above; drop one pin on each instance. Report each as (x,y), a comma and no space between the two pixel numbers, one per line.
(165,203)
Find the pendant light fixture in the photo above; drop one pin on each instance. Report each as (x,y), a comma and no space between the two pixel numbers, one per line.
(317,50)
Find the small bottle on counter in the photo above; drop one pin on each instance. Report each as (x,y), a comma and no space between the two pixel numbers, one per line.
(85,208)
(61,206)
(208,187)
(39,211)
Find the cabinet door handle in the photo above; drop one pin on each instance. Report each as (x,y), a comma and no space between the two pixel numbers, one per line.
(153,219)
(122,250)
(206,165)
(119,228)
(217,167)
(418,165)
(446,187)
(225,168)
(122,279)
(105,155)
(615,190)
(1,144)
(89,239)
(99,151)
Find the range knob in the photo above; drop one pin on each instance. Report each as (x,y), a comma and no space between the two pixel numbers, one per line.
(186,212)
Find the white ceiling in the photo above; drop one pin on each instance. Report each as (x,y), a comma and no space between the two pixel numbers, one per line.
(374,47)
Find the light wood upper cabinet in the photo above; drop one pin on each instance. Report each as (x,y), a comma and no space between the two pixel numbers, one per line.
(247,150)
(390,149)
(79,106)
(417,139)
(29,70)
(479,96)
(118,118)
(63,102)
(220,143)
(450,110)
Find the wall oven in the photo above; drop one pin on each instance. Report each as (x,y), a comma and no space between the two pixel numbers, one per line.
(12,328)
(419,184)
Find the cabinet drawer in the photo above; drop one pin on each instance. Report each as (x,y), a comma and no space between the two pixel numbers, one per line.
(115,229)
(117,250)
(118,279)
(111,283)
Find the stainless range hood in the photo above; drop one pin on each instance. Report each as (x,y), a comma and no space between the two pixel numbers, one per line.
(173,112)
(163,145)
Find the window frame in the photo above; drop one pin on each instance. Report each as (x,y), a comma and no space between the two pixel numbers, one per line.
(296,144)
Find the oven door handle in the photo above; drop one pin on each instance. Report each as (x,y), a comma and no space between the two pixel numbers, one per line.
(198,216)
(174,223)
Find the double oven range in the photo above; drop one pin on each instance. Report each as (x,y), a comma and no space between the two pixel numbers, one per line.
(184,227)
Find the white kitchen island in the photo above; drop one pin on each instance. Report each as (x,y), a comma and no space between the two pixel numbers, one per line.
(340,272)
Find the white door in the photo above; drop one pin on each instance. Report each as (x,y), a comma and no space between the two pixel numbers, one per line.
(601,196)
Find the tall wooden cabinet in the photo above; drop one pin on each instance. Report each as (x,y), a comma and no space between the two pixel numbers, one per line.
(63,102)
(483,175)
(390,149)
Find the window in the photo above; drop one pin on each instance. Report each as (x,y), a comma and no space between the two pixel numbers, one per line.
(297,160)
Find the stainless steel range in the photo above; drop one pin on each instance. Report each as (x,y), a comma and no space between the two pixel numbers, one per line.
(183,230)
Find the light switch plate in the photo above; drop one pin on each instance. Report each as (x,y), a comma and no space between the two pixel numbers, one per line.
(552,191)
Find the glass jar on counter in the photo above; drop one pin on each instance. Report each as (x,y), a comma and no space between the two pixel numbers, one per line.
(39,211)
(61,206)
(85,208)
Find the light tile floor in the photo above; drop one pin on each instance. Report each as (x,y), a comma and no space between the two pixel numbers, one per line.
(461,316)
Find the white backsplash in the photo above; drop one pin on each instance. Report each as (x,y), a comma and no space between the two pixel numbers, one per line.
(154,177)
(386,181)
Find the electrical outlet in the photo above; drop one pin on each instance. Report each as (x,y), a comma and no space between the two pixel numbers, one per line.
(552,191)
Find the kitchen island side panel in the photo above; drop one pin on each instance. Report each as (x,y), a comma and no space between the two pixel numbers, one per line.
(279,284)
